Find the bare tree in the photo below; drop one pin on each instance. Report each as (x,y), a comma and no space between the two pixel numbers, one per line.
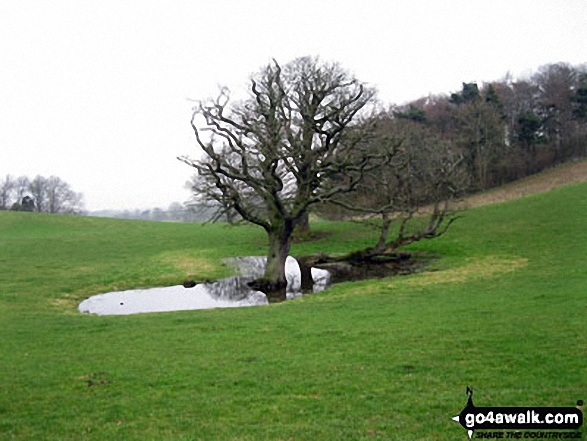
(6,190)
(413,191)
(557,84)
(268,157)
(37,189)
(58,195)
(21,185)
(55,191)
(482,138)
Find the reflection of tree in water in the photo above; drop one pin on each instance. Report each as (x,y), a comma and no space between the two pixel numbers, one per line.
(237,289)
(299,278)
(232,288)
(253,266)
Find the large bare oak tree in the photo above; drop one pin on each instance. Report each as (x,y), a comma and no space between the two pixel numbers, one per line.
(269,157)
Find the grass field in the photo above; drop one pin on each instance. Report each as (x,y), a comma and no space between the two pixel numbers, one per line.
(504,311)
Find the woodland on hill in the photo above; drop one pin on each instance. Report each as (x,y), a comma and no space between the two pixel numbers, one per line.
(509,129)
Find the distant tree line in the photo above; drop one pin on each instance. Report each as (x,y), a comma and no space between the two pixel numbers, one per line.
(509,129)
(46,195)
(176,212)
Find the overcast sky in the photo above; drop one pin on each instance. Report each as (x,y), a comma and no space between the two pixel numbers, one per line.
(97,92)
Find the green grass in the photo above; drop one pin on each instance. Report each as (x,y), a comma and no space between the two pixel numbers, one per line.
(505,312)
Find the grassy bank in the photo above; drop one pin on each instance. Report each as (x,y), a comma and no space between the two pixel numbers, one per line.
(505,313)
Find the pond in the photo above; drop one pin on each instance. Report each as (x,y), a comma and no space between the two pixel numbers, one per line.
(232,292)
(315,274)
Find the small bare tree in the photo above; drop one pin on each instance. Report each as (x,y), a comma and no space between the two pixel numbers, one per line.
(268,158)
(413,191)
(6,189)
(60,198)
(22,184)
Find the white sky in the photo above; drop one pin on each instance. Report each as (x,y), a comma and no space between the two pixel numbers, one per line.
(96,92)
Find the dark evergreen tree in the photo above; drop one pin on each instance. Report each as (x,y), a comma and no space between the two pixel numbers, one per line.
(413,114)
(469,93)
(580,98)
(529,125)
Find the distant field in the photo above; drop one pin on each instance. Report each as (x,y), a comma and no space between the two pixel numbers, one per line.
(504,311)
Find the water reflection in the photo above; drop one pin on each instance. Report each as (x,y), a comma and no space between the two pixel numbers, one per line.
(231,292)
(298,279)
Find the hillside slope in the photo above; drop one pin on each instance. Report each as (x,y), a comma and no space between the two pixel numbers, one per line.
(565,174)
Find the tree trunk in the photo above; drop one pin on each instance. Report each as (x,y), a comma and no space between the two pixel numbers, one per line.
(380,248)
(274,281)
(382,242)
(307,282)
(303,226)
